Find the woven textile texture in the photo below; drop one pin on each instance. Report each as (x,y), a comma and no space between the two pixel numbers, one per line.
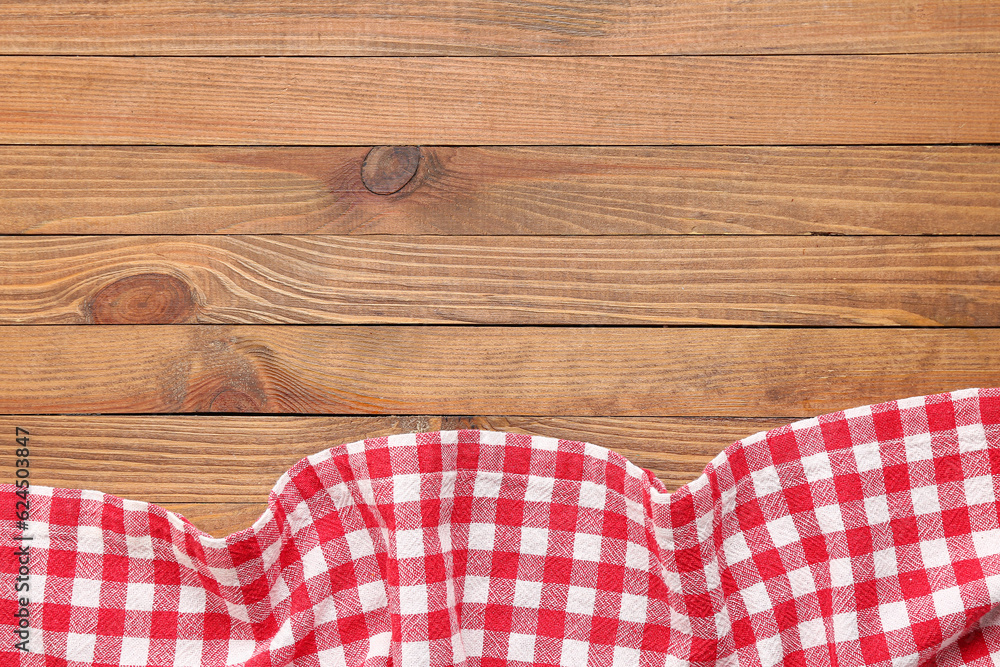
(863,537)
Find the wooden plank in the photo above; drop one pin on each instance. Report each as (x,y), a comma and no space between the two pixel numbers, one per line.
(588,280)
(199,459)
(217,471)
(194,459)
(676,449)
(564,190)
(554,371)
(441,27)
(218,519)
(508,100)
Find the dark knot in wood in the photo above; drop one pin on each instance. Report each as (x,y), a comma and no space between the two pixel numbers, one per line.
(146,298)
(387,169)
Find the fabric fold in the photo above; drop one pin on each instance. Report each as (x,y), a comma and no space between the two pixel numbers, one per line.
(867,536)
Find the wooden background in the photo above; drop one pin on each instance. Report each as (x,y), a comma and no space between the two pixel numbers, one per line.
(658,226)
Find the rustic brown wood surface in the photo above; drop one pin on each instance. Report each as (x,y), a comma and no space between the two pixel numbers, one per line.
(554,371)
(196,459)
(232,458)
(655,226)
(606,280)
(218,519)
(937,98)
(436,27)
(558,190)
(217,470)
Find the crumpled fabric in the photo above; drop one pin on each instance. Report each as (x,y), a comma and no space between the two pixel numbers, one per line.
(868,536)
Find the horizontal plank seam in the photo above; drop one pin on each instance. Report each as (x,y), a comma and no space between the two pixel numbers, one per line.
(487,325)
(561,56)
(669,238)
(355,236)
(227,146)
(312,415)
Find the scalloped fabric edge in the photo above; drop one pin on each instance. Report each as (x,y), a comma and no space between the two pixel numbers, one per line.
(868,536)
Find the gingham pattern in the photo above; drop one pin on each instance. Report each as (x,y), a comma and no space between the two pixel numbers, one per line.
(863,537)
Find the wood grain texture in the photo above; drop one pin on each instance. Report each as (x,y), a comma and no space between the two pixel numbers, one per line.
(564,190)
(218,519)
(441,27)
(676,449)
(944,98)
(193,459)
(584,280)
(237,459)
(580,371)
(217,471)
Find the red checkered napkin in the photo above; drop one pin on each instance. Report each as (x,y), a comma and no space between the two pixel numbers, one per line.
(863,537)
